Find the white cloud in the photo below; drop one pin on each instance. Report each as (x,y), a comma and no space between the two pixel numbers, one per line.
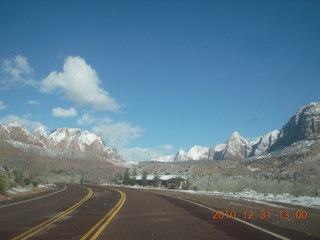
(32,102)
(167,147)
(78,82)
(17,72)
(32,125)
(2,106)
(62,112)
(117,134)
(86,119)
(144,154)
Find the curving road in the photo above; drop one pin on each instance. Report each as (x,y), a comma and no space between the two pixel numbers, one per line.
(96,212)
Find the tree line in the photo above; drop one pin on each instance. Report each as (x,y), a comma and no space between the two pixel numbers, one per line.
(130,178)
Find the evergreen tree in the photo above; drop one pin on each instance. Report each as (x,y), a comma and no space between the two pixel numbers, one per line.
(144,178)
(126,177)
(133,180)
(156,181)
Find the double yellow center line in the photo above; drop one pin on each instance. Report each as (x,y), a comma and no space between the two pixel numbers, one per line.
(102,224)
(93,233)
(50,221)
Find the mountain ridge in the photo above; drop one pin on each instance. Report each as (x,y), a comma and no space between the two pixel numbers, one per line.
(303,126)
(67,139)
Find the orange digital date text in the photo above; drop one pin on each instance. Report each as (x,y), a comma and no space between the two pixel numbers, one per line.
(263,214)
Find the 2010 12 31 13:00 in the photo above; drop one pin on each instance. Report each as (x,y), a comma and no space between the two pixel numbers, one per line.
(263,214)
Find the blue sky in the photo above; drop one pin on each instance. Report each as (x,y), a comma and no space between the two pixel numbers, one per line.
(154,77)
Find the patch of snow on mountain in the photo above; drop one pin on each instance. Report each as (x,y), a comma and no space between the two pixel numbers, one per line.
(264,143)
(15,124)
(180,156)
(253,169)
(40,131)
(197,152)
(87,138)
(63,133)
(220,147)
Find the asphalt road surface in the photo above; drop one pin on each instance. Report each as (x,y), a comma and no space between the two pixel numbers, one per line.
(96,212)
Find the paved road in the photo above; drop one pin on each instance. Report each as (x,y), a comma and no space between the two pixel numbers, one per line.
(94,212)
(147,215)
(82,211)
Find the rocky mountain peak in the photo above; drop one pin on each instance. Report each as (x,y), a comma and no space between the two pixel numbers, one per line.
(40,131)
(304,125)
(220,147)
(264,143)
(236,147)
(17,132)
(197,152)
(180,156)
(61,134)
(4,133)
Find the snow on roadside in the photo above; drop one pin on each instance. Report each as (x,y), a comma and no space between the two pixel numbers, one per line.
(268,199)
(251,195)
(19,189)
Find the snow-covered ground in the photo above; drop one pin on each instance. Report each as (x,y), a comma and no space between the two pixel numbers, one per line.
(18,190)
(251,195)
(268,199)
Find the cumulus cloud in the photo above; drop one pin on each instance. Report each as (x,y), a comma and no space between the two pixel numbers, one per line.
(17,71)
(86,119)
(138,154)
(2,106)
(117,134)
(33,102)
(62,112)
(32,125)
(79,82)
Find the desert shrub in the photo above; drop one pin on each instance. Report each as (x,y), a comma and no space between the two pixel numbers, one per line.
(12,184)
(36,182)
(194,188)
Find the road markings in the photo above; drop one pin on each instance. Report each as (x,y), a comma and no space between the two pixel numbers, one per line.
(102,224)
(52,220)
(236,219)
(32,199)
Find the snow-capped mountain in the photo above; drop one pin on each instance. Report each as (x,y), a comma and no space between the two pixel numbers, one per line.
(180,156)
(264,143)
(216,152)
(195,153)
(19,133)
(66,139)
(77,140)
(304,125)
(236,147)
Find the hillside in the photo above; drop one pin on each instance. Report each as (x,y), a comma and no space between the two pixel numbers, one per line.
(67,153)
(280,161)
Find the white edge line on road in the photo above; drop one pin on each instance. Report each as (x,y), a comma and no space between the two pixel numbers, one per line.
(237,219)
(11,204)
